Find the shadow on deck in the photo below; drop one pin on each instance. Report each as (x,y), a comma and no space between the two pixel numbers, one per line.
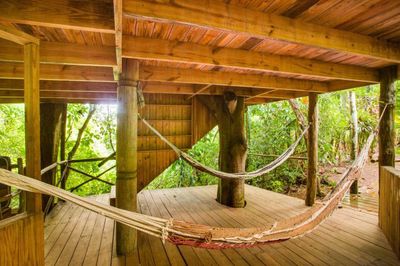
(351,236)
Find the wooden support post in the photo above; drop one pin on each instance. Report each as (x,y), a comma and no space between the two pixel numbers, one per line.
(50,130)
(312,149)
(32,141)
(387,153)
(126,185)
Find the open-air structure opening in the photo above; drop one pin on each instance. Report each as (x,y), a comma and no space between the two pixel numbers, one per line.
(176,69)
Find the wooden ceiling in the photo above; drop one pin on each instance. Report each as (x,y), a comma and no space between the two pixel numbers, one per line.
(263,50)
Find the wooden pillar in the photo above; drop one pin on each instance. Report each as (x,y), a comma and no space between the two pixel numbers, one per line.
(312,149)
(32,141)
(126,185)
(50,130)
(388,76)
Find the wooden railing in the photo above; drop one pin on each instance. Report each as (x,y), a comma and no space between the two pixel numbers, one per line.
(389,206)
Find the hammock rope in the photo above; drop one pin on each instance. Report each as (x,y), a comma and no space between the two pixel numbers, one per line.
(223,175)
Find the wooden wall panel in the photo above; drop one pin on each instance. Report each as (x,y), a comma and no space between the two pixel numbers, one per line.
(17,245)
(389,206)
(202,120)
(182,121)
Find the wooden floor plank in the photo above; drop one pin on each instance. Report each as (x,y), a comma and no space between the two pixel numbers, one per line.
(349,237)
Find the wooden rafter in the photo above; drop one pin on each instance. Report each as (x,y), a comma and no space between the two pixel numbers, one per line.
(11,70)
(227,17)
(150,73)
(17,36)
(199,91)
(96,16)
(63,53)
(11,89)
(156,49)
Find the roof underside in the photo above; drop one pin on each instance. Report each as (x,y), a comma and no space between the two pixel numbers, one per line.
(264,50)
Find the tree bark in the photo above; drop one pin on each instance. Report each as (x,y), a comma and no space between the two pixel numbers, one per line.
(312,149)
(354,135)
(229,112)
(50,125)
(387,134)
(301,119)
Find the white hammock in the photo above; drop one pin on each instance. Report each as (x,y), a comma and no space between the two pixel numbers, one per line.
(249,175)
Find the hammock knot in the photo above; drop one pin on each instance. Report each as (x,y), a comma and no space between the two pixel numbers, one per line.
(165,229)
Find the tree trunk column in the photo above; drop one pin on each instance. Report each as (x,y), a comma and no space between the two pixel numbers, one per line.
(233,148)
(50,132)
(312,149)
(354,135)
(126,185)
(387,153)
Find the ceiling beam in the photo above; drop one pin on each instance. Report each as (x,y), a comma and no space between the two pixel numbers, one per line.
(16,36)
(227,17)
(343,85)
(89,15)
(11,70)
(11,89)
(50,85)
(164,50)
(63,53)
(193,76)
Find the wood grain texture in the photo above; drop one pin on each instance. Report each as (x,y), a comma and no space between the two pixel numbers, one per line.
(153,49)
(350,236)
(94,16)
(389,206)
(63,53)
(228,17)
(32,142)
(234,79)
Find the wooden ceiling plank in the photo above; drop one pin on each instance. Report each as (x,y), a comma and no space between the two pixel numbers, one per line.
(90,15)
(192,76)
(227,17)
(63,53)
(164,50)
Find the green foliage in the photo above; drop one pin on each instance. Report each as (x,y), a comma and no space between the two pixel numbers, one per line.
(273,127)
(12,131)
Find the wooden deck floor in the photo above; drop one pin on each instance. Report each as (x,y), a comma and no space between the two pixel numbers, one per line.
(351,236)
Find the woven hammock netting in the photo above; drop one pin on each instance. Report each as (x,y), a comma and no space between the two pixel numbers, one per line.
(223,175)
(184,233)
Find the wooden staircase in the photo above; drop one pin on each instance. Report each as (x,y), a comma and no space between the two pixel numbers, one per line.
(181,121)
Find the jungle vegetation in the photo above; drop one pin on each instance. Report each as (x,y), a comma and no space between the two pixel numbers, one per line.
(271,128)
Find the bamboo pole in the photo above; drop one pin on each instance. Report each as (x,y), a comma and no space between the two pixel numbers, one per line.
(126,157)
(312,149)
